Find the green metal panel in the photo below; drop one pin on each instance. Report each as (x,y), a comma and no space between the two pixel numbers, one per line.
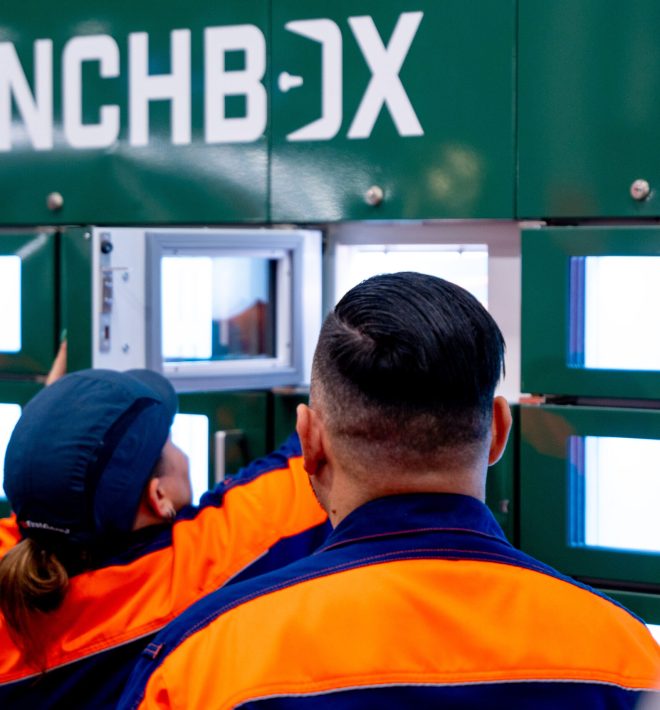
(76,296)
(284,402)
(196,181)
(502,484)
(38,336)
(14,393)
(588,107)
(244,412)
(456,70)
(646,606)
(546,491)
(546,306)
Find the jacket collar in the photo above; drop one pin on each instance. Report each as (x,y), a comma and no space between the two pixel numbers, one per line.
(416,512)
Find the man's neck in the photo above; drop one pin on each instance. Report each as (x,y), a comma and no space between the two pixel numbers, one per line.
(350,491)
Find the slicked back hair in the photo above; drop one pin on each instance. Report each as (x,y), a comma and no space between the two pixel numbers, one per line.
(406,367)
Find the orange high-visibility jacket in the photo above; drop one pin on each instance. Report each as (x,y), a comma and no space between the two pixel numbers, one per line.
(262,518)
(9,533)
(414,601)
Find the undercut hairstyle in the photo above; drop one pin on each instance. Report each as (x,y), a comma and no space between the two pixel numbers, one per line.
(405,369)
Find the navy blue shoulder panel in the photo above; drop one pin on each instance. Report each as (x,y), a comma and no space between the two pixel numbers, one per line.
(285,551)
(93,682)
(494,696)
(139,544)
(428,544)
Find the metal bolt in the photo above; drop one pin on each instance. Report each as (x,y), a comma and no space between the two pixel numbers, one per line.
(640,190)
(374,195)
(54,201)
(125,348)
(125,276)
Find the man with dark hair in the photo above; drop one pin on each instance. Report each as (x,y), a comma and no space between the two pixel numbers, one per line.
(416,600)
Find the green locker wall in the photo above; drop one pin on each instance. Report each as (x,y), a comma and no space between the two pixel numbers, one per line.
(457,75)
(195,181)
(439,74)
(588,107)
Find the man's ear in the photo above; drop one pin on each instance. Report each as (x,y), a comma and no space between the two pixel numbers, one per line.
(310,432)
(500,428)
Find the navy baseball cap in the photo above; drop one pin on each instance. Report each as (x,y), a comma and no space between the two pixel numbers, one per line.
(83,451)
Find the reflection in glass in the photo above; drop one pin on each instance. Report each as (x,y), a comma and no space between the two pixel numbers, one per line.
(465,265)
(9,415)
(10,300)
(622,493)
(218,308)
(621,330)
(190,432)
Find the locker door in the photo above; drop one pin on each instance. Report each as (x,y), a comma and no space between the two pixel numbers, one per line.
(27,298)
(588,108)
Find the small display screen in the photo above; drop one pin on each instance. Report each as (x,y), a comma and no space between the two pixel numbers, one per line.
(616,495)
(10,298)
(218,308)
(655,630)
(190,432)
(614,312)
(9,415)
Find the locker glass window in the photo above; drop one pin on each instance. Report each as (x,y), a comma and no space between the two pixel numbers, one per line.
(218,308)
(616,493)
(10,298)
(232,309)
(190,432)
(614,316)
(9,415)
(465,265)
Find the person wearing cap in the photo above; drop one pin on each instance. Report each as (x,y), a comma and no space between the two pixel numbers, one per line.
(416,600)
(111,548)
(9,531)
